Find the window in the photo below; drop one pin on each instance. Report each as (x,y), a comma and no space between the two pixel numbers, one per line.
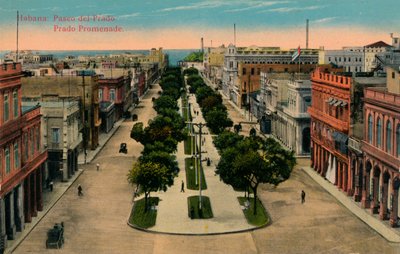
(388,136)
(100,94)
(398,140)
(244,71)
(112,94)
(16,155)
(393,75)
(37,139)
(32,142)
(7,157)
(379,133)
(6,114)
(26,147)
(258,71)
(252,71)
(15,104)
(55,135)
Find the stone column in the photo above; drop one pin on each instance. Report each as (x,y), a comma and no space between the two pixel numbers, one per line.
(34,194)
(384,200)
(3,235)
(19,213)
(10,221)
(394,210)
(27,199)
(375,192)
(339,174)
(365,202)
(39,191)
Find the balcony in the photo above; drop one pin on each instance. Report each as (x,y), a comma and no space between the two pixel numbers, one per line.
(337,124)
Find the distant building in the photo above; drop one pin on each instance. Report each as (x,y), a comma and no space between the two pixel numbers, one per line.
(257,55)
(370,53)
(22,160)
(213,61)
(85,87)
(61,134)
(351,59)
(285,98)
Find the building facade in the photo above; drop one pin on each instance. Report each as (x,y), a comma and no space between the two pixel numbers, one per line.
(61,134)
(22,160)
(330,122)
(83,86)
(351,59)
(381,148)
(257,55)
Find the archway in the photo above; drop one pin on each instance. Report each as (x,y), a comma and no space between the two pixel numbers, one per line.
(375,190)
(383,212)
(394,200)
(366,186)
(306,139)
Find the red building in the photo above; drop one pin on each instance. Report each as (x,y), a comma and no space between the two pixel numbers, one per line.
(381,148)
(22,162)
(330,118)
(117,91)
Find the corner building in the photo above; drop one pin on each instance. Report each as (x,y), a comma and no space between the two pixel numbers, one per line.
(381,148)
(22,162)
(330,118)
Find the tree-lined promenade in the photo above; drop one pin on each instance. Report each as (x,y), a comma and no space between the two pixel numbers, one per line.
(96,222)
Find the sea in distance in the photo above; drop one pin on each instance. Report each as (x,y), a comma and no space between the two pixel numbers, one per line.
(174,55)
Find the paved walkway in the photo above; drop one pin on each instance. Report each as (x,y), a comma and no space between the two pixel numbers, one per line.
(172,215)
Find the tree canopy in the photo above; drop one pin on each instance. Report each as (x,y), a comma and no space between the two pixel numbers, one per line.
(150,177)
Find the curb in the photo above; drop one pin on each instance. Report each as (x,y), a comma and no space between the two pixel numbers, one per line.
(386,232)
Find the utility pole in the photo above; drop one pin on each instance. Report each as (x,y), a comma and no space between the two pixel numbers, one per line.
(200,126)
(84,133)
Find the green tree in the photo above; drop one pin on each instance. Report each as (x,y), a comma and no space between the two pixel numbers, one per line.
(226,139)
(162,158)
(217,121)
(149,177)
(165,102)
(137,132)
(252,162)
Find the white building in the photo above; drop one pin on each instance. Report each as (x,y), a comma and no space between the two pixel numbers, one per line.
(257,55)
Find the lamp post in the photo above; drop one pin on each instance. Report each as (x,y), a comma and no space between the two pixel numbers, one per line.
(200,126)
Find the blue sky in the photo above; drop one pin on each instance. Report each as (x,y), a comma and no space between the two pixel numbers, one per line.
(134,15)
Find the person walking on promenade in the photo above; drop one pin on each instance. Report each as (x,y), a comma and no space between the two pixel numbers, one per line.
(97,166)
(183,187)
(303,196)
(80,193)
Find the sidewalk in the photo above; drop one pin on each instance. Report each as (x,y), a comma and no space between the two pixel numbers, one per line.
(389,233)
(51,198)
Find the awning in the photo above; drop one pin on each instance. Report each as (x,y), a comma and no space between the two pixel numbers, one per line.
(338,103)
(335,134)
(333,102)
(343,104)
(329,100)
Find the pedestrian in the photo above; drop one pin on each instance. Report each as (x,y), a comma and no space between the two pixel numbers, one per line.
(80,193)
(183,187)
(303,196)
(98,166)
(51,185)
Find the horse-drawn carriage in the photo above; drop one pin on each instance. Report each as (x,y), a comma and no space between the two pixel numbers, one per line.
(55,236)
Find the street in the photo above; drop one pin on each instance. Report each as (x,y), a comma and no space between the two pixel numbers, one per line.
(97,221)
